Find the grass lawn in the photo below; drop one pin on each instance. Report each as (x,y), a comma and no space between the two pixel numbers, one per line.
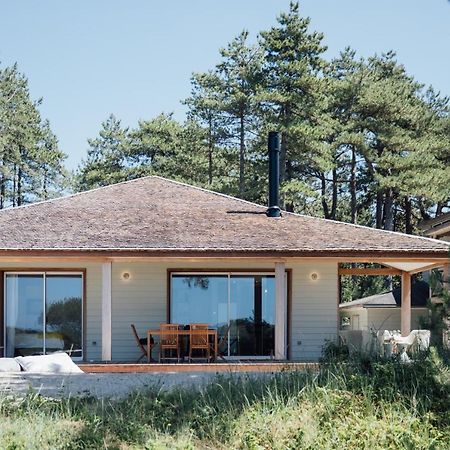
(348,405)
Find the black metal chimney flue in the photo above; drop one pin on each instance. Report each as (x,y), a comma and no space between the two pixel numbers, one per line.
(274,146)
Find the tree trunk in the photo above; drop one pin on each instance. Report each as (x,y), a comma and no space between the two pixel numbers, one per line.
(379,209)
(389,210)
(44,186)
(334,198)
(326,211)
(2,188)
(439,208)
(353,204)
(408,216)
(241,156)
(14,189)
(210,153)
(19,187)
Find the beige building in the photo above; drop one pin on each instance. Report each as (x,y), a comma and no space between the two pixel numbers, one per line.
(79,270)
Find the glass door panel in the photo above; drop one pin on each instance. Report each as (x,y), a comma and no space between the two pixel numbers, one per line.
(242,339)
(239,306)
(200,299)
(63,331)
(252,315)
(24,314)
(267,316)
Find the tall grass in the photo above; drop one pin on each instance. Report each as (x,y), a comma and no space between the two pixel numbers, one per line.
(353,404)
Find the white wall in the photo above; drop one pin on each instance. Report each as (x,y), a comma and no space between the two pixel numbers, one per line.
(389,319)
(314,310)
(142,300)
(383,318)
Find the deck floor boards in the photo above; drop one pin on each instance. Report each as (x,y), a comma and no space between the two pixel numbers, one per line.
(222,367)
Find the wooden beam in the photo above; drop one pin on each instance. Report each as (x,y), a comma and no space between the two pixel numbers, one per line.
(106,311)
(280,311)
(369,271)
(426,268)
(405,312)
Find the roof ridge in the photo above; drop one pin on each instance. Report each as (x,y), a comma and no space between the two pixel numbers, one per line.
(75,194)
(365,227)
(397,233)
(220,194)
(209,191)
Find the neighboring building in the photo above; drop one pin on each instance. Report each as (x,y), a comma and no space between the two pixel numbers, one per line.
(438,228)
(79,270)
(382,311)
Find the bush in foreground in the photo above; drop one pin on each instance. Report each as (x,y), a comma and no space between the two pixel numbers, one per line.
(352,404)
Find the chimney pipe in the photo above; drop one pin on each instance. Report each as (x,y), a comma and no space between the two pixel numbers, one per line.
(274,146)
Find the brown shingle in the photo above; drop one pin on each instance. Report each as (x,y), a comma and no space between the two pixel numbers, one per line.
(154,214)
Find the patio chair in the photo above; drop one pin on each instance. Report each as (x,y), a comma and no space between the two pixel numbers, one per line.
(200,340)
(169,341)
(142,344)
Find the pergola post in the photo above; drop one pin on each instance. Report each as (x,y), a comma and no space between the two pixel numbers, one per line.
(280,311)
(106,311)
(406,304)
(446,277)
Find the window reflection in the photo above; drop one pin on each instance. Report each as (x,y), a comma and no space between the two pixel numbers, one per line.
(27,297)
(242,307)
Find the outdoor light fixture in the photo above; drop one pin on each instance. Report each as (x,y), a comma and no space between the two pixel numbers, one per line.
(126,275)
(314,276)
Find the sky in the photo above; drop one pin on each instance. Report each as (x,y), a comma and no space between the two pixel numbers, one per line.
(134,58)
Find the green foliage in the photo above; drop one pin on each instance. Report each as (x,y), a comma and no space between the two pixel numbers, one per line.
(363,141)
(31,164)
(373,404)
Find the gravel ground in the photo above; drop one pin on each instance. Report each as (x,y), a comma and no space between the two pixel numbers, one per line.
(111,385)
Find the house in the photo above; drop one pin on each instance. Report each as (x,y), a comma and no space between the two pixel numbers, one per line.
(438,228)
(382,311)
(79,270)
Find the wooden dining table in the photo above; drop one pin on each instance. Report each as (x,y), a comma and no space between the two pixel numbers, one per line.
(211,334)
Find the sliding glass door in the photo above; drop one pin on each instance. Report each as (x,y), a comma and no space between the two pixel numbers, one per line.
(240,306)
(43,313)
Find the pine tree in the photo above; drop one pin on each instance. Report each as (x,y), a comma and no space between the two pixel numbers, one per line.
(106,156)
(291,100)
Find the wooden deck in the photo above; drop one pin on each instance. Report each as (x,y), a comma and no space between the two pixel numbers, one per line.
(222,367)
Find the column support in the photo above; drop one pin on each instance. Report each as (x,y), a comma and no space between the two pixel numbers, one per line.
(106,311)
(406,304)
(446,277)
(280,311)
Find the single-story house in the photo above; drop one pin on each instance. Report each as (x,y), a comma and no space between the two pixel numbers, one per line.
(79,270)
(438,228)
(382,311)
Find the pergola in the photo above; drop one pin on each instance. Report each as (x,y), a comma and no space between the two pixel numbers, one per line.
(405,269)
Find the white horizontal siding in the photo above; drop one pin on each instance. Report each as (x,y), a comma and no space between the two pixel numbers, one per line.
(142,300)
(314,309)
(389,318)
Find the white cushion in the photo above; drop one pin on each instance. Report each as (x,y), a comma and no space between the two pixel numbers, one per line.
(54,363)
(9,365)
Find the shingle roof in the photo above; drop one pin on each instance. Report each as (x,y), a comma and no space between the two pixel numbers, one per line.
(420,293)
(156,215)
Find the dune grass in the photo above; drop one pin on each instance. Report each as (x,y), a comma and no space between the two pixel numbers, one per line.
(353,404)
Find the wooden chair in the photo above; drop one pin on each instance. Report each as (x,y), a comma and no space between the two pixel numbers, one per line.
(169,340)
(199,340)
(142,344)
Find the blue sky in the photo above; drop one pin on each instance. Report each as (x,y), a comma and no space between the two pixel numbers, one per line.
(134,58)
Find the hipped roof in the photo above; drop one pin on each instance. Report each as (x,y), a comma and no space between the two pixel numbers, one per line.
(420,293)
(154,216)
